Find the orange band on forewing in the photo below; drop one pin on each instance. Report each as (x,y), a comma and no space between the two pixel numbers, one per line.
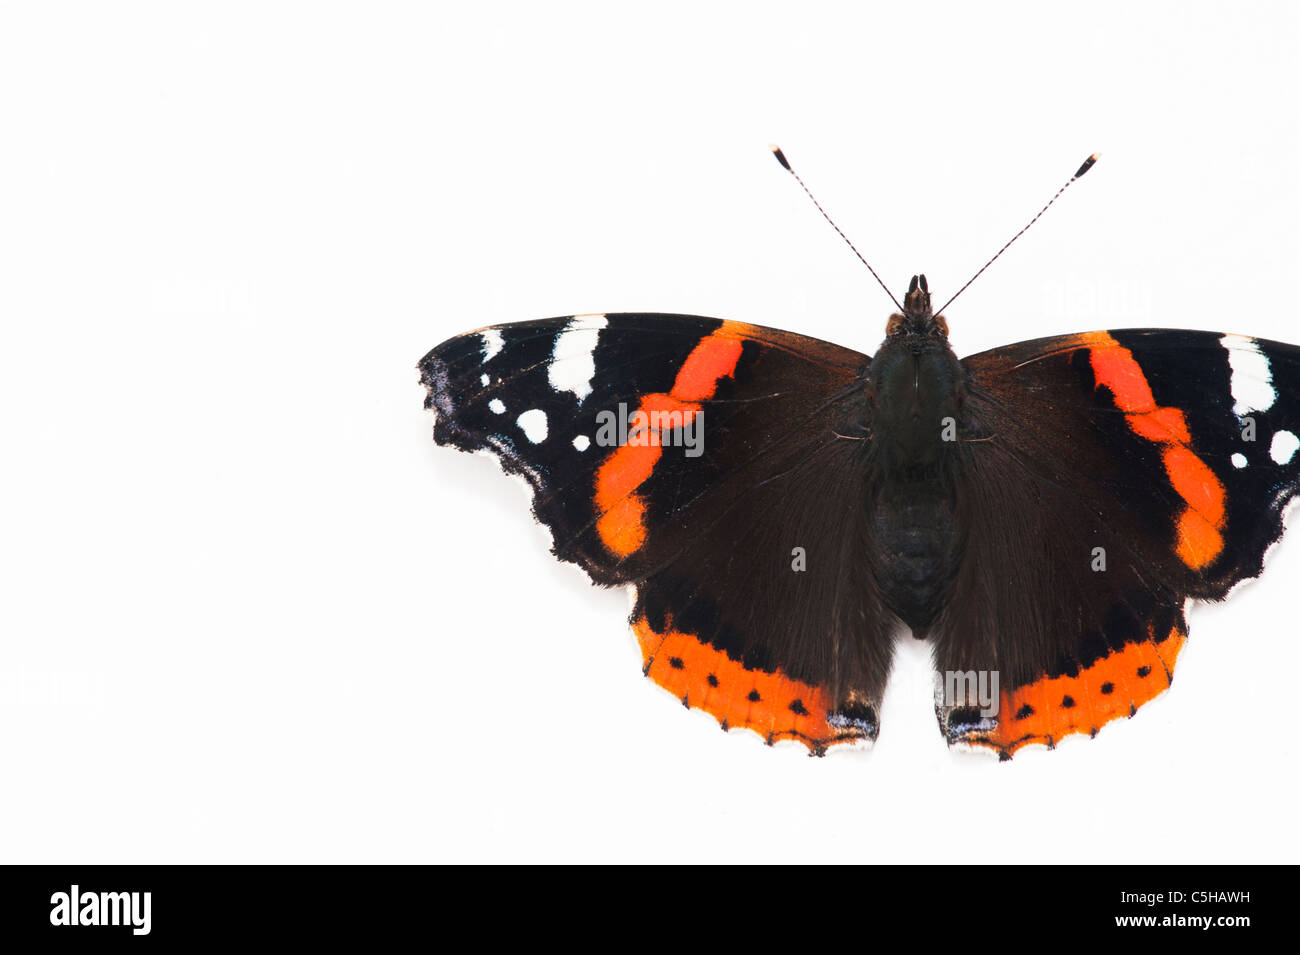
(624,471)
(1199,526)
(713,358)
(1198,541)
(657,414)
(771,704)
(1162,426)
(1115,367)
(1114,686)
(622,527)
(1195,482)
(621,524)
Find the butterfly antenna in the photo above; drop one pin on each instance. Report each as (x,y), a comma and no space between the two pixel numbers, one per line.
(1087,164)
(780,157)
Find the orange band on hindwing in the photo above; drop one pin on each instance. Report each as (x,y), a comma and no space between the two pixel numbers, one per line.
(621,521)
(773,705)
(1199,527)
(1114,686)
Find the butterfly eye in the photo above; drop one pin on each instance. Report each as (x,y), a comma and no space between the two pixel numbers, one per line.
(941,323)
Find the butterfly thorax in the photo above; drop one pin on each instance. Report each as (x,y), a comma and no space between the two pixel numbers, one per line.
(914,406)
(916,389)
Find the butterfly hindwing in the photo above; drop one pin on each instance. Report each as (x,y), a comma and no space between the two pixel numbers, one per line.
(1111,477)
(716,467)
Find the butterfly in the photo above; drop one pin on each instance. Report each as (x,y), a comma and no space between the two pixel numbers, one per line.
(1041,513)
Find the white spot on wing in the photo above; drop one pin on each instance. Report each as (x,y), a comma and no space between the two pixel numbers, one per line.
(1252,378)
(573,364)
(485,380)
(1283,447)
(1238,460)
(582,442)
(497,405)
(533,423)
(492,343)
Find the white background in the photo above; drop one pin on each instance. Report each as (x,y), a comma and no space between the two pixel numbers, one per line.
(252,613)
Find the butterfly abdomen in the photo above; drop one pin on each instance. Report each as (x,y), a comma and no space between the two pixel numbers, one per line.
(917,547)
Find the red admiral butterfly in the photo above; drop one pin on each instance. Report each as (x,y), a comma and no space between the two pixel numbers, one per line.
(782,504)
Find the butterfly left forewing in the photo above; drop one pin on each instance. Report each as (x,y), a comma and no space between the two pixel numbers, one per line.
(746,543)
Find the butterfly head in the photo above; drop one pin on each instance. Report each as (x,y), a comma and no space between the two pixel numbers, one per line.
(917,318)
